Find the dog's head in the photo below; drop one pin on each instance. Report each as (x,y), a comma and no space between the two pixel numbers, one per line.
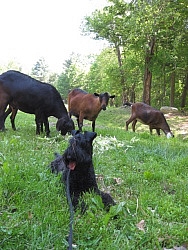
(80,149)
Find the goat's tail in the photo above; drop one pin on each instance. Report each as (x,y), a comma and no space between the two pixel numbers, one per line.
(127,104)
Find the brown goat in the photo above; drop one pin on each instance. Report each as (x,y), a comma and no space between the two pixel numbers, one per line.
(148,116)
(86,106)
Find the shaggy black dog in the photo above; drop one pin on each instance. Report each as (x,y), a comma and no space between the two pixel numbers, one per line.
(77,159)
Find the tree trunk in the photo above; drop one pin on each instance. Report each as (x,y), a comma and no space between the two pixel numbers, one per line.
(172,89)
(184,93)
(132,93)
(148,73)
(147,86)
(163,86)
(122,75)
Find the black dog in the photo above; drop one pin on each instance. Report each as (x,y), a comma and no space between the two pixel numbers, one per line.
(77,159)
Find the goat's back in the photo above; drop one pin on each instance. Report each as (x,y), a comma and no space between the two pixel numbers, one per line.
(29,94)
(148,114)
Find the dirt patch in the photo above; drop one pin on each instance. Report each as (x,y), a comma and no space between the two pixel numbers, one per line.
(178,124)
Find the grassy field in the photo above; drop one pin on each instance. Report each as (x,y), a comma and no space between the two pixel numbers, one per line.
(146,175)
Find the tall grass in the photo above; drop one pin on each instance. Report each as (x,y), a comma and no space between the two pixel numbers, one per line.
(147,176)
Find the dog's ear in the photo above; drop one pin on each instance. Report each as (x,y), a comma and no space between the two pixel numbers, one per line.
(90,136)
(75,132)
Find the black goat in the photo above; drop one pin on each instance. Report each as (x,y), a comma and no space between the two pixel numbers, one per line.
(22,92)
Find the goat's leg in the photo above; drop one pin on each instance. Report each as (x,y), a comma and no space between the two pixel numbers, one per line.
(7,112)
(47,127)
(2,122)
(129,121)
(80,122)
(2,115)
(93,126)
(134,124)
(150,129)
(12,118)
(158,131)
(41,127)
(38,124)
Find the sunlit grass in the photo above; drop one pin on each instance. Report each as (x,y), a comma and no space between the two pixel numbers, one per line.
(147,176)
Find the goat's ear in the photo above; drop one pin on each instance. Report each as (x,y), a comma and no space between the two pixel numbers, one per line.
(96,94)
(112,96)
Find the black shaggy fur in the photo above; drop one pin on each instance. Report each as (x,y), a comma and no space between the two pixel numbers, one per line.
(78,158)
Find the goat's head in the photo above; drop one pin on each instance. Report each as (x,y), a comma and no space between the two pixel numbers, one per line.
(104,98)
(65,124)
(169,135)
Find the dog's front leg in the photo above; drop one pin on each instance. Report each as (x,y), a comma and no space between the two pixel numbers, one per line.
(107,200)
(78,202)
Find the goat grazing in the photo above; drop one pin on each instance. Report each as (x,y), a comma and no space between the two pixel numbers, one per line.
(148,116)
(22,92)
(87,106)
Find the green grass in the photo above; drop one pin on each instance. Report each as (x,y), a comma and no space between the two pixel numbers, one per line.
(147,176)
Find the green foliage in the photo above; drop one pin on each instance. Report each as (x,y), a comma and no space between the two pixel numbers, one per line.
(63,85)
(147,176)
(73,76)
(53,78)
(104,73)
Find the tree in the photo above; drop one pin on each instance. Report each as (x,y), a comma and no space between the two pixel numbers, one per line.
(106,25)
(52,79)
(184,92)
(148,29)
(73,76)
(10,65)
(104,74)
(40,70)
